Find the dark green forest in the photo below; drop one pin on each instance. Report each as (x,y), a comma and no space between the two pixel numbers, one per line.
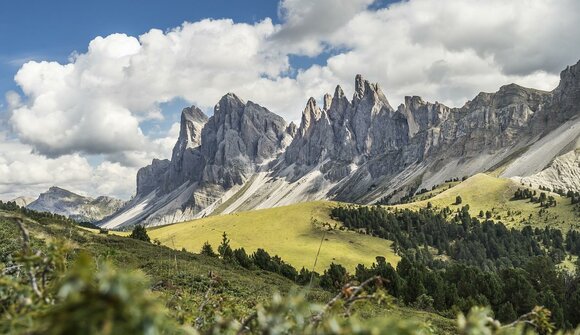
(452,261)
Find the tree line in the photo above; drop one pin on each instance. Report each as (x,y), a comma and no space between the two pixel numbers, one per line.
(452,261)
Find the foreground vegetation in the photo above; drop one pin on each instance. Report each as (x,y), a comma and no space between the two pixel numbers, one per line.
(444,260)
(189,291)
(452,261)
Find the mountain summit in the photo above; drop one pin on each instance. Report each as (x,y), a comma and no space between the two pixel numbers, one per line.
(359,150)
(80,208)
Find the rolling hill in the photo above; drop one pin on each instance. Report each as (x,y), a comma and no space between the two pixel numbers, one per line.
(179,279)
(483,192)
(292,232)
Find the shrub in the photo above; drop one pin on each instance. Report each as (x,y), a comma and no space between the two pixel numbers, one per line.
(207,250)
(140,233)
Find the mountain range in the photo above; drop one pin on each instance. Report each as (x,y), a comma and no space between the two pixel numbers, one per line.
(77,207)
(360,150)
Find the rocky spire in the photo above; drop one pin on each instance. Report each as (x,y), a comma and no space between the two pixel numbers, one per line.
(238,136)
(359,87)
(338,92)
(228,104)
(192,121)
(365,89)
(292,129)
(327,102)
(310,115)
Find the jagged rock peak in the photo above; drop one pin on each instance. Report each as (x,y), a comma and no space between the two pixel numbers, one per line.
(327,101)
(413,101)
(338,92)
(291,129)
(571,71)
(569,79)
(192,120)
(359,86)
(310,115)
(363,88)
(193,114)
(227,104)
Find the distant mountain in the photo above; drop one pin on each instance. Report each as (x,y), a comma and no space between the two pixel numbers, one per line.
(60,201)
(358,150)
(23,201)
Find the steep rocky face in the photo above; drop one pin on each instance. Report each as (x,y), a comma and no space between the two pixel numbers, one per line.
(238,136)
(372,143)
(358,149)
(186,161)
(63,202)
(344,131)
(192,122)
(565,102)
(489,122)
(210,157)
(185,164)
(152,176)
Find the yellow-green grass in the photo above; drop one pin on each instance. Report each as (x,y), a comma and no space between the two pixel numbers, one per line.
(437,190)
(292,232)
(483,192)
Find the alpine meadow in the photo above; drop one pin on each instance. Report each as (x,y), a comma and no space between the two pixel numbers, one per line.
(290,167)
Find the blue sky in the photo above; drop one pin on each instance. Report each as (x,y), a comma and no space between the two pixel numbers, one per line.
(90,121)
(52,30)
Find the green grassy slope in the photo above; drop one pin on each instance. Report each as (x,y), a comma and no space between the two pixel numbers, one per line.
(484,192)
(292,232)
(181,278)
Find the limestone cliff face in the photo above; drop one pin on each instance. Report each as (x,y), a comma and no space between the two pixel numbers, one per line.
(366,129)
(489,122)
(166,175)
(237,137)
(211,156)
(185,159)
(346,132)
(359,149)
(152,176)
(364,142)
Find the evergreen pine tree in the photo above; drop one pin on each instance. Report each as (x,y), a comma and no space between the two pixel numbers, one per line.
(140,233)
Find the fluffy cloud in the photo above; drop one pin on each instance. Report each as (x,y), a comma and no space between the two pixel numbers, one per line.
(450,50)
(96,104)
(306,22)
(27,174)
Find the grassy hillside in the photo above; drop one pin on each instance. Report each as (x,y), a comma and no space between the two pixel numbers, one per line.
(181,279)
(484,192)
(292,232)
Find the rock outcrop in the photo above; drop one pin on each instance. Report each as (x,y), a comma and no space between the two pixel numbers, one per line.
(238,137)
(211,156)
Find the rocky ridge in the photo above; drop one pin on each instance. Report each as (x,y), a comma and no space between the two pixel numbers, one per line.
(60,201)
(360,149)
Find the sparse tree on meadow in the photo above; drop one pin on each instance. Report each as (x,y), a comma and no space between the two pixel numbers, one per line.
(140,233)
